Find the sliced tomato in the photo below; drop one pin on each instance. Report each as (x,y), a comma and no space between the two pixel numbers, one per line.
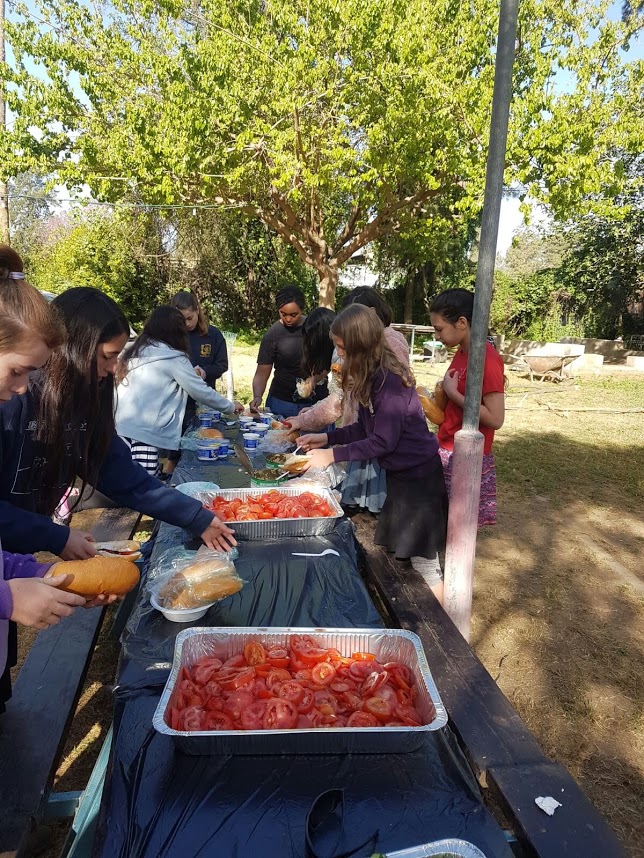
(235,661)
(362,719)
(400,674)
(372,682)
(379,708)
(243,677)
(306,703)
(352,701)
(323,673)
(276,676)
(361,669)
(237,701)
(252,716)
(310,655)
(280,715)
(254,653)
(219,721)
(175,718)
(193,718)
(408,715)
(204,669)
(304,723)
(363,656)
(291,690)
(325,698)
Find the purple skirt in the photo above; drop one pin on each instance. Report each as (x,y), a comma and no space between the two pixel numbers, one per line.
(487,501)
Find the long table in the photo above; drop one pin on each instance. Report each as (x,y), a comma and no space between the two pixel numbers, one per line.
(159,802)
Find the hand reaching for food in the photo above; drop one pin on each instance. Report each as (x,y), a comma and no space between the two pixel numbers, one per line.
(320,459)
(310,442)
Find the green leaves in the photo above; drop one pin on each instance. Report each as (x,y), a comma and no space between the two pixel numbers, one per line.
(303,113)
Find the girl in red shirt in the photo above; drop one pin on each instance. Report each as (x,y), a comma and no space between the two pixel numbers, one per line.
(451,316)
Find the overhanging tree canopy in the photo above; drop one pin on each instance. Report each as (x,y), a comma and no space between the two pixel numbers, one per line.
(335,122)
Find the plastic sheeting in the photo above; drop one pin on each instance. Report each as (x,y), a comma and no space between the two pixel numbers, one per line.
(160,803)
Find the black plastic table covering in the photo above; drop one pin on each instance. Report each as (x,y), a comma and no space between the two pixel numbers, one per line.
(161,803)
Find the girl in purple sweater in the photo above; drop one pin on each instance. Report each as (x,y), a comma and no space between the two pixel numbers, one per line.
(391,428)
(29,331)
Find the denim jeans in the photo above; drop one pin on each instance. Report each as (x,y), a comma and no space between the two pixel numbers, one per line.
(284,408)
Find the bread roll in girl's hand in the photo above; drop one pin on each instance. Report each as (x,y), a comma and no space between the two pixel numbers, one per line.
(98,576)
(433,413)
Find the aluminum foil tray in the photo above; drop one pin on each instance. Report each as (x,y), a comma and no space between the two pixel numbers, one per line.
(282,527)
(386,645)
(441,849)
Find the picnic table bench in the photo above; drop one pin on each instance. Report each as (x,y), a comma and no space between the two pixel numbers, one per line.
(35,726)
(501,750)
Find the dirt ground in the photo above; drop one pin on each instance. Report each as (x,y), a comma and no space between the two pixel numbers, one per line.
(558,614)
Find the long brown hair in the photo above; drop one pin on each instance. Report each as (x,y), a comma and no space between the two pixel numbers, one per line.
(189,301)
(75,407)
(367,351)
(24,312)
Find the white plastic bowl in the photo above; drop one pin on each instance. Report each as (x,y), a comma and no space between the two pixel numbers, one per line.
(180,615)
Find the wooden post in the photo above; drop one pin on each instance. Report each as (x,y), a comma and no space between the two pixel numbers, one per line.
(462,527)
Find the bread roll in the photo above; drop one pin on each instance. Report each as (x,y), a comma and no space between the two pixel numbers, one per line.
(200,584)
(109,576)
(432,412)
(209,433)
(129,548)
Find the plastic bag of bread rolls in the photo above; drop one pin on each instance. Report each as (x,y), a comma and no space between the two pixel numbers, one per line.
(194,581)
(432,411)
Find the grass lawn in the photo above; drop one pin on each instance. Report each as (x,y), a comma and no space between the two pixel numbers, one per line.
(558,616)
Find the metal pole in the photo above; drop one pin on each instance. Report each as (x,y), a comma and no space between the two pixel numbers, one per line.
(468,442)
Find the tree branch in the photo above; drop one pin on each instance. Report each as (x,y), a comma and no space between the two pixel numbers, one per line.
(347,232)
(383,221)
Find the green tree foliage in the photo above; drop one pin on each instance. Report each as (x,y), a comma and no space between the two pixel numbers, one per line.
(335,122)
(114,251)
(235,266)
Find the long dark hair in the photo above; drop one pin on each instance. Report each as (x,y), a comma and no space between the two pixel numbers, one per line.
(189,301)
(452,304)
(368,297)
(75,407)
(317,347)
(164,325)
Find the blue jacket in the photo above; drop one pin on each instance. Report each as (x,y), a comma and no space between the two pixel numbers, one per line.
(26,527)
(151,400)
(209,352)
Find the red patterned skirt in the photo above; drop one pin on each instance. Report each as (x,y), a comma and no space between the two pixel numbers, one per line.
(487,501)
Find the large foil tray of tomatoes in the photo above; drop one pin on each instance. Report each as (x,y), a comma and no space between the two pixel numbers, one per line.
(288,519)
(235,715)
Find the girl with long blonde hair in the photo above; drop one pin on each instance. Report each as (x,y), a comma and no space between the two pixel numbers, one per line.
(391,428)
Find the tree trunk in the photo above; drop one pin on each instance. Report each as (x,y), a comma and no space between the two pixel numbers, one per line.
(4,200)
(328,275)
(409,299)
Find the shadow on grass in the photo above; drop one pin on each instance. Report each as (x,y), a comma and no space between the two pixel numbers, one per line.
(552,464)
(573,631)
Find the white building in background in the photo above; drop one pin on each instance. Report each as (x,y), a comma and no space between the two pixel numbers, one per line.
(357,272)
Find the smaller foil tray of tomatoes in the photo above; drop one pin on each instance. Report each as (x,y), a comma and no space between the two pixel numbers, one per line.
(275,513)
(298,691)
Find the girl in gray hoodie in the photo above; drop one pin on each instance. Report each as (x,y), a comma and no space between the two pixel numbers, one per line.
(157,379)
